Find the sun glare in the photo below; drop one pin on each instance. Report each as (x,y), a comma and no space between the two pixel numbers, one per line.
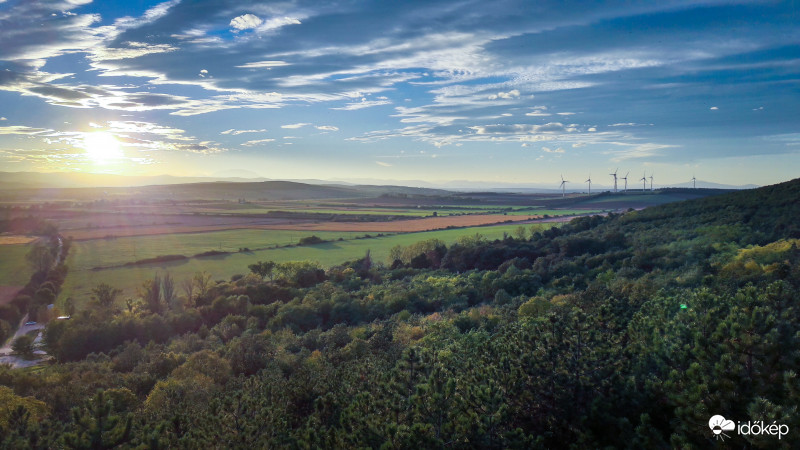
(101,146)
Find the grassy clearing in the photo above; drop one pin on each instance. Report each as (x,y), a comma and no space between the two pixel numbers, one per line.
(79,282)
(14,269)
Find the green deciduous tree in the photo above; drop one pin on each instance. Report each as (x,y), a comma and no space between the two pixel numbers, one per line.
(40,258)
(104,295)
(263,269)
(23,345)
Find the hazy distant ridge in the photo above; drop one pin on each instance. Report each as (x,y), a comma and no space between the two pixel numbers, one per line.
(38,180)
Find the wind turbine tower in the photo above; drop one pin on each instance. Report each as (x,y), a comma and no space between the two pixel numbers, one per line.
(615,179)
(644,181)
(626,180)
(590,183)
(694,182)
(651,181)
(563,186)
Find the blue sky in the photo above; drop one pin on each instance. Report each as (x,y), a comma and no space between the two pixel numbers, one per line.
(501,91)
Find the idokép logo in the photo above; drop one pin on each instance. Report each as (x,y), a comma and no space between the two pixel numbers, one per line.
(719,425)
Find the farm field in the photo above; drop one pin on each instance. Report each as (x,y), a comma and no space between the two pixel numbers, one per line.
(14,270)
(82,279)
(316,210)
(217,224)
(377,209)
(401,226)
(552,212)
(112,252)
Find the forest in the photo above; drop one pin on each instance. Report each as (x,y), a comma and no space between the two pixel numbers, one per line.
(623,331)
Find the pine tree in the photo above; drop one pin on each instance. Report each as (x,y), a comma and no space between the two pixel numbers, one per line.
(95,427)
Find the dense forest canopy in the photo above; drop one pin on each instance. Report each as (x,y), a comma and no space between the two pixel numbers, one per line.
(625,331)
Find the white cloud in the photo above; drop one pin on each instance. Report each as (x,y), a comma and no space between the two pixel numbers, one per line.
(34,31)
(2,119)
(140,127)
(19,129)
(519,129)
(549,150)
(278,22)
(634,151)
(41,84)
(364,103)
(263,64)
(631,124)
(238,132)
(514,93)
(245,22)
(257,142)
(566,113)
(149,16)
(381,163)
(295,125)
(130,50)
(713,108)
(327,128)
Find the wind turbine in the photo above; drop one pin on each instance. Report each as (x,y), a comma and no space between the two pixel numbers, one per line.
(694,182)
(626,180)
(651,181)
(590,183)
(563,186)
(615,179)
(644,181)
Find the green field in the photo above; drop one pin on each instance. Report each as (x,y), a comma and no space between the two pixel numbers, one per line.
(82,279)
(371,211)
(14,269)
(113,252)
(552,212)
(650,199)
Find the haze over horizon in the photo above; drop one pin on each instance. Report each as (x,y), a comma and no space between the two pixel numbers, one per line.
(504,92)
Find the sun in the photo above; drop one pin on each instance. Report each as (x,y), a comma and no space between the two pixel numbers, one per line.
(101,146)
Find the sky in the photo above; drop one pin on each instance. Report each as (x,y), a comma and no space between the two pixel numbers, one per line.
(500,91)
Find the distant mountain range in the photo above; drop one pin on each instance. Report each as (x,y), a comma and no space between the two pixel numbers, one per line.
(39,180)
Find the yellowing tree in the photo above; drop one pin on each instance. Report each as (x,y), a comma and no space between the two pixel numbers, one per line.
(10,401)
